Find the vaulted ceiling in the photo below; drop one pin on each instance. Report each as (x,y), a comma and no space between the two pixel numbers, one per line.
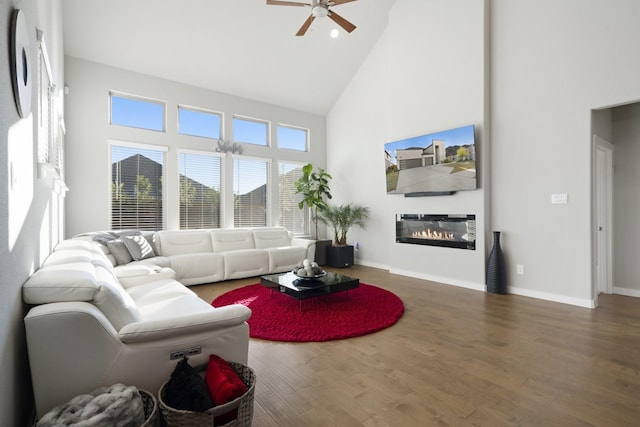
(241,47)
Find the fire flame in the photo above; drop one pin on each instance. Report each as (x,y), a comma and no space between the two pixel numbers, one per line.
(433,235)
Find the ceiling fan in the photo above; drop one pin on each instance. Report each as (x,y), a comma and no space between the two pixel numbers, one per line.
(319,9)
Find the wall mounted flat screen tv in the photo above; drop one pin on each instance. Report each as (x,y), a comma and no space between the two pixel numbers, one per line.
(433,164)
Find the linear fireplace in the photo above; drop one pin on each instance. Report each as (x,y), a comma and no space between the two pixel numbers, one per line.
(450,231)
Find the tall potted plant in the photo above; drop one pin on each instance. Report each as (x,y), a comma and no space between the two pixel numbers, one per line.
(315,190)
(341,218)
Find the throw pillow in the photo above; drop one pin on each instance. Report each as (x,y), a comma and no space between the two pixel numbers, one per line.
(138,247)
(186,390)
(224,385)
(151,238)
(119,251)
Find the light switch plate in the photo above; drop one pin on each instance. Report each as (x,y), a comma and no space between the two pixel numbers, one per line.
(559,199)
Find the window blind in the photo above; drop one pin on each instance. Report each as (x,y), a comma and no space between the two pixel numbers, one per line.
(136,188)
(291,216)
(250,193)
(200,184)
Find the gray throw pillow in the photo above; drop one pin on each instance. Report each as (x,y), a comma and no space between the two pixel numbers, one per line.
(151,238)
(138,247)
(119,251)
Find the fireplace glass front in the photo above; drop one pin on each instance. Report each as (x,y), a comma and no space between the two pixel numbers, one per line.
(451,231)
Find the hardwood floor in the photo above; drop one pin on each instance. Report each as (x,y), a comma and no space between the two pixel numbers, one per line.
(457,357)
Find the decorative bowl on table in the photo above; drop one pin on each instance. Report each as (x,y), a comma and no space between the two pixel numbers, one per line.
(306,276)
(308,270)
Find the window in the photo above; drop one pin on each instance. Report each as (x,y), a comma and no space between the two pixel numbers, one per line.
(136,187)
(250,131)
(137,112)
(50,123)
(199,122)
(200,184)
(292,138)
(250,193)
(291,216)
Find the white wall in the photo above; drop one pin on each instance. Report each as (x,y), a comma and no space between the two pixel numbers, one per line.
(626,136)
(425,74)
(88,168)
(552,63)
(30,224)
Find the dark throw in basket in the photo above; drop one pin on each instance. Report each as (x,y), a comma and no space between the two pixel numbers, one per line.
(178,418)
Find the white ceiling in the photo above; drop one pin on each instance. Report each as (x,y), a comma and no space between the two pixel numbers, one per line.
(241,47)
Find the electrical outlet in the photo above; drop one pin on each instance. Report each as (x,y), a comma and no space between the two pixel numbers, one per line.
(520,269)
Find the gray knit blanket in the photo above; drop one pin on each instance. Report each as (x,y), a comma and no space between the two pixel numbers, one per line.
(114,406)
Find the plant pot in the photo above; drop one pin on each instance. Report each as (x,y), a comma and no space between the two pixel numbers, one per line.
(340,256)
(321,251)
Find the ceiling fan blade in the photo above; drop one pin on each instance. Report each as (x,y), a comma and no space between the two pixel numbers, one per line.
(305,26)
(348,26)
(286,3)
(337,2)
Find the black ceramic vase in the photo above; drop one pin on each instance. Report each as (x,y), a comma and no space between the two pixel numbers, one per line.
(496,268)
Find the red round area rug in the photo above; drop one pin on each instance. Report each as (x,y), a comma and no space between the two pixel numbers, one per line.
(279,317)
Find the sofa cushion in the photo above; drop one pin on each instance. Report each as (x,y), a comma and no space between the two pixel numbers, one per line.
(285,258)
(198,268)
(245,263)
(74,244)
(271,237)
(225,240)
(136,274)
(138,247)
(160,261)
(163,299)
(74,281)
(68,256)
(114,302)
(178,242)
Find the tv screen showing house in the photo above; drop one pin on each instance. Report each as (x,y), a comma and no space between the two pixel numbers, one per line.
(433,163)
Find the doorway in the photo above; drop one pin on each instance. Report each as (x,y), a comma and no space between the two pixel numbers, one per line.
(603,216)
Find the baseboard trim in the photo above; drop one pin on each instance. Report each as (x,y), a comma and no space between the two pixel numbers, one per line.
(579,302)
(626,292)
(442,280)
(586,303)
(371,264)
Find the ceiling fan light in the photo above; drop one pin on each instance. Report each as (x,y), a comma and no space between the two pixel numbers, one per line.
(319,11)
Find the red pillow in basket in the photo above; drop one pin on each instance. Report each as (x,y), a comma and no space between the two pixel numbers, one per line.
(224,386)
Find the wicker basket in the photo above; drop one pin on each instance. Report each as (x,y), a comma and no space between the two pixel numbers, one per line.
(150,409)
(175,417)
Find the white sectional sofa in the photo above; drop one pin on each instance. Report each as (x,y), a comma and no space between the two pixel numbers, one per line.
(212,255)
(96,321)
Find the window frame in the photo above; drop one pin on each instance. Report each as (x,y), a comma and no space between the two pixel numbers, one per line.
(305,212)
(203,111)
(268,190)
(222,158)
(138,98)
(307,137)
(267,124)
(140,146)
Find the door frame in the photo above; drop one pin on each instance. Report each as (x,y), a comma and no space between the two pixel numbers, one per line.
(602,218)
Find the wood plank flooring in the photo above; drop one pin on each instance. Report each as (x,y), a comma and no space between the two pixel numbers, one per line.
(457,357)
